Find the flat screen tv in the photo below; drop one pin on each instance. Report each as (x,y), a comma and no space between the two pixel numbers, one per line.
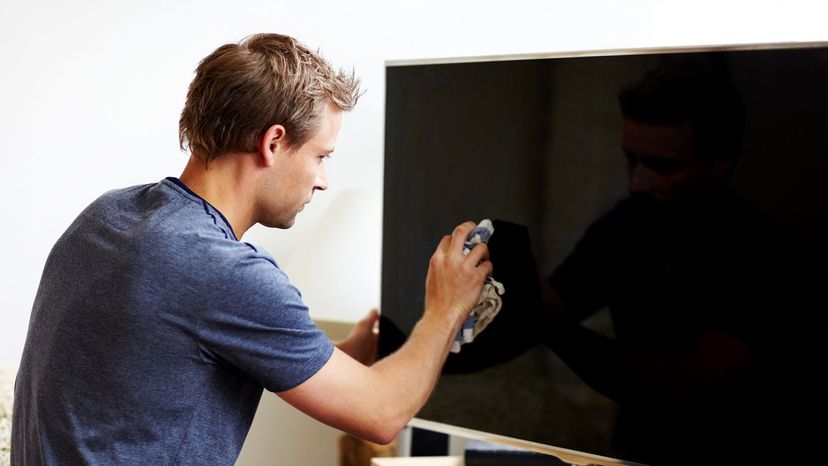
(674,201)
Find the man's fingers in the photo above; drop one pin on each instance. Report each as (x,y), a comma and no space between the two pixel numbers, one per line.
(370,320)
(460,234)
(486,267)
(444,246)
(479,253)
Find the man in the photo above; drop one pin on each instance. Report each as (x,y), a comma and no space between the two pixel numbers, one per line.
(154,328)
(703,365)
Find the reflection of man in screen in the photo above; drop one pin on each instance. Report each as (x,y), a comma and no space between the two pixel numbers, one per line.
(698,284)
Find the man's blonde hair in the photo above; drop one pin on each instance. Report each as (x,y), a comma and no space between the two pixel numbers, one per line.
(241,90)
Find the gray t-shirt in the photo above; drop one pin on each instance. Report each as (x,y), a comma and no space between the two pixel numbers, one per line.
(152,334)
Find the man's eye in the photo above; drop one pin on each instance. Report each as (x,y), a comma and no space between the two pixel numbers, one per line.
(662,166)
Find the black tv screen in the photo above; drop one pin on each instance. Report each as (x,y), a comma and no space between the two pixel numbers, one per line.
(685,316)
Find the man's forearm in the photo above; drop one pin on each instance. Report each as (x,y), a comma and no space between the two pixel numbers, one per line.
(413,370)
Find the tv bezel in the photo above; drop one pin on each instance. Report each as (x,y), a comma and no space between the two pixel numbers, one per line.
(609,53)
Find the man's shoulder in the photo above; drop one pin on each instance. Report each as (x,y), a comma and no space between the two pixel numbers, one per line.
(201,249)
(132,202)
(167,227)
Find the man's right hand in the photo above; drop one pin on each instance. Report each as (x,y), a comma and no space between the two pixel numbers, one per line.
(375,402)
(455,281)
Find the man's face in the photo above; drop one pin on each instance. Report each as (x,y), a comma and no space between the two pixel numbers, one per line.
(662,162)
(298,172)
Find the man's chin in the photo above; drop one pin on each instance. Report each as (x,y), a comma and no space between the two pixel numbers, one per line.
(280,224)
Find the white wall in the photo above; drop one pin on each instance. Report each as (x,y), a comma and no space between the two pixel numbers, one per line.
(90,93)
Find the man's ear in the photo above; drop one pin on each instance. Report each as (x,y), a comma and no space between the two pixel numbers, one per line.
(272,142)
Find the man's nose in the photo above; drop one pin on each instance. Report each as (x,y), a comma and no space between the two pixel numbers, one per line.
(321,180)
(640,181)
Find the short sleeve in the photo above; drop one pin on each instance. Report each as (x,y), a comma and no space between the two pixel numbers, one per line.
(259,324)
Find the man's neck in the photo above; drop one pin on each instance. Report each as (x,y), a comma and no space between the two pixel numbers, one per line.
(225,186)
